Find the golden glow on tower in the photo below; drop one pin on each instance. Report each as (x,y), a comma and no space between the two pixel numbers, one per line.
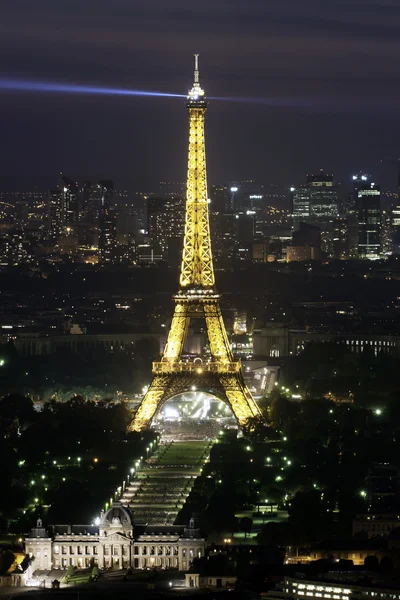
(222,375)
(197,267)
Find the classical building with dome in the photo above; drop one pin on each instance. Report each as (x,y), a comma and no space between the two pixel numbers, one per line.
(115,543)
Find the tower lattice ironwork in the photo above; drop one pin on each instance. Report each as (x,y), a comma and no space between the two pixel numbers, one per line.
(221,376)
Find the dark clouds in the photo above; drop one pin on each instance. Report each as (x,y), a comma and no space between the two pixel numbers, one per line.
(340,59)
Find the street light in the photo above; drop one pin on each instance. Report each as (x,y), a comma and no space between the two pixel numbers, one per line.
(363,493)
(378,411)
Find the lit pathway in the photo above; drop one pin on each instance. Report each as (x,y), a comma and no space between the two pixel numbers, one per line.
(163,483)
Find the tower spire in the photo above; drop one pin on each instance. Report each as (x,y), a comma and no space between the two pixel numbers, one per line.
(196,94)
(196,80)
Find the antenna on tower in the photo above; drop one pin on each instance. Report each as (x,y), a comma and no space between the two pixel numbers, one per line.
(196,69)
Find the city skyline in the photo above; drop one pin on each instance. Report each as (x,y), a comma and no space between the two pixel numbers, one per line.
(309,80)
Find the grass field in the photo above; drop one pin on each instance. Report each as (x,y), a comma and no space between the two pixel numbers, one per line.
(183,453)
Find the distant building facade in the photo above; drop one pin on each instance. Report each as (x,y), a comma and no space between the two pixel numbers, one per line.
(116,543)
(368,207)
(317,203)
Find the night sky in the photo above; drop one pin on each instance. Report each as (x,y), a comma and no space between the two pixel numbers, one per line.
(328,71)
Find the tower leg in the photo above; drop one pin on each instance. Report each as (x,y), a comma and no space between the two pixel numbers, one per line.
(219,344)
(239,398)
(177,334)
(150,403)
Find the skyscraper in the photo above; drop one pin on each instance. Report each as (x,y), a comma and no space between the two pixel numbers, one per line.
(165,225)
(70,201)
(55,212)
(368,206)
(107,225)
(317,203)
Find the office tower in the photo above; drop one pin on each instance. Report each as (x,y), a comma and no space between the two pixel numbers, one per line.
(395,227)
(341,248)
(55,212)
(219,199)
(70,202)
(166,225)
(368,207)
(107,225)
(21,213)
(317,203)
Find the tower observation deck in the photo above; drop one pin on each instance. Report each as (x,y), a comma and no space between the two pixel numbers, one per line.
(197,298)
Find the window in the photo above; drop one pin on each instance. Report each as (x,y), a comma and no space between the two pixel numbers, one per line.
(116,550)
(125,550)
(152,550)
(95,550)
(87,550)
(107,551)
(136,550)
(184,553)
(71,550)
(64,550)
(56,549)
(160,550)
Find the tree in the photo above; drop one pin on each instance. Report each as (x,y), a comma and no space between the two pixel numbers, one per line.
(95,574)
(371,563)
(17,406)
(246,525)
(277,534)
(386,565)
(6,560)
(69,574)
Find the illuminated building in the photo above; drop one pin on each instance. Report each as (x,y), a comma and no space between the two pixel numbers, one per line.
(317,203)
(55,212)
(14,249)
(277,339)
(89,213)
(114,543)
(107,226)
(70,202)
(375,524)
(165,225)
(221,376)
(260,252)
(368,207)
(219,199)
(336,586)
(340,240)
(306,244)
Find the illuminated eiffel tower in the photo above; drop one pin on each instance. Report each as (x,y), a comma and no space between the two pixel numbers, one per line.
(221,376)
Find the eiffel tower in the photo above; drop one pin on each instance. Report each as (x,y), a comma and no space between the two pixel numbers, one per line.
(197,298)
